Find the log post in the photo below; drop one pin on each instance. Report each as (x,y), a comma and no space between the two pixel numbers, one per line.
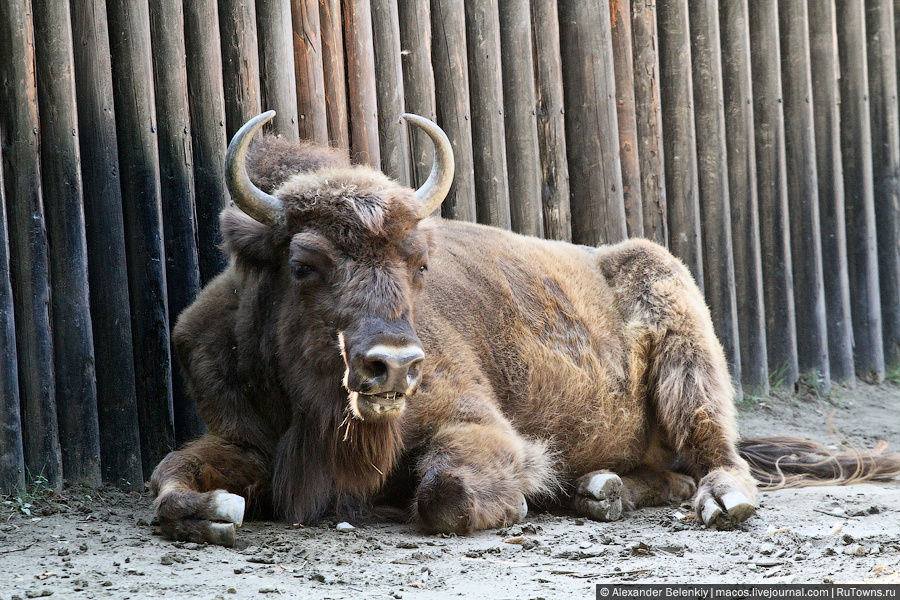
(360,54)
(29,261)
(859,201)
(551,125)
(176,188)
(73,342)
(333,71)
(620,28)
(392,134)
(418,79)
(738,96)
(486,102)
(679,144)
(240,62)
(825,72)
(712,172)
(592,131)
(129,36)
(648,116)
(276,65)
(120,444)
(309,76)
(451,76)
(206,99)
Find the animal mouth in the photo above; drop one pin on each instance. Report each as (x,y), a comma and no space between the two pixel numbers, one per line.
(381,405)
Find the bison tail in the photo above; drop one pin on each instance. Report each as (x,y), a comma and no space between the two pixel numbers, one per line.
(784,462)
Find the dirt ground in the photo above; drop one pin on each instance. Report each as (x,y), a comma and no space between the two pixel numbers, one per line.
(101,543)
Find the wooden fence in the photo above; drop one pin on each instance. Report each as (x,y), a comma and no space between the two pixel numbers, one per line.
(758,139)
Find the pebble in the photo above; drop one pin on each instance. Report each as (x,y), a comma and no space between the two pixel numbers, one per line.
(344,526)
(855,550)
(766,548)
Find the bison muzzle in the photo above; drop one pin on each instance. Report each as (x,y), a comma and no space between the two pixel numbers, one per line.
(357,350)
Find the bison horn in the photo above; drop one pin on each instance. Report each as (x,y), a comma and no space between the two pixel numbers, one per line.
(263,207)
(435,188)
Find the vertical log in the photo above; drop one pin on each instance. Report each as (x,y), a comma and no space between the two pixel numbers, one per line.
(550,122)
(276,65)
(120,445)
(333,70)
(392,135)
(803,194)
(73,342)
(206,101)
(308,74)
(12,456)
(28,246)
(522,162)
(592,131)
(823,52)
(486,102)
(129,36)
(712,172)
(451,76)
(176,187)
(620,15)
(240,62)
(648,116)
(882,56)
(772,196)
(418,78)
(361,83)
(679,144)
(738,95)
(859,201)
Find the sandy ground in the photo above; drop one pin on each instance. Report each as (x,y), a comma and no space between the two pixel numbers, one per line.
(101,544)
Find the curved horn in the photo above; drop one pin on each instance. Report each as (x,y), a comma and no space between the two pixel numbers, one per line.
(263,207)
(435,188)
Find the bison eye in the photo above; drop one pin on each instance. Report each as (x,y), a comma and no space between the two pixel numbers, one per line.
(300,271)
(423,268)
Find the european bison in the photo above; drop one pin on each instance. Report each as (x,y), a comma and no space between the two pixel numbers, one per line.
(356,348)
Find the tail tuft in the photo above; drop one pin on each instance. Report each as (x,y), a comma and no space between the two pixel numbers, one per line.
(784,462)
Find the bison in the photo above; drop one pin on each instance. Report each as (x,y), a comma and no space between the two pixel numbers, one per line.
(358,349)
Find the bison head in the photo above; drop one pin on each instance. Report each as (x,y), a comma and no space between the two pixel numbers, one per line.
(344,251)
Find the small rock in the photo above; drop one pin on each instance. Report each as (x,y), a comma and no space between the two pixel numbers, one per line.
(847,538)
(855,550)
(406,545)
(268,590)
(344,526)
(767,548)
(231,591)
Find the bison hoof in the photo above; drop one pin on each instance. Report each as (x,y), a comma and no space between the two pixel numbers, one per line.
(442,503)
(721,503)
(228,507)
(222,534)
(599,496)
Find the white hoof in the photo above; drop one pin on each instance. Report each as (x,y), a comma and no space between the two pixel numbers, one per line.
(738,506)
(229,508)
(222,534)
(710,511)
(602,486)
(523,509)
(600,497)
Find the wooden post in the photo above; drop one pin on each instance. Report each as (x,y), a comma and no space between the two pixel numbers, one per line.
(648,116)
(392,134)
(206,100)
(12,456)
(73,342)
(856,151)
(803,195)
(177,187)
(361,83)
(712,159)
(522,163)
(333,71)
(240,62)
(276,65)
(592,132)
(738,95)
(28,246)
(308,74)
(677,98)
(486,101)
(418,79)
(120,445)
(620,28)
(771,190)
(451,76)
(882,56)
(129,36)
(550,121)
(823,53)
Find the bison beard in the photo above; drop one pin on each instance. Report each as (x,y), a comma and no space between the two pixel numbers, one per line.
(333,371)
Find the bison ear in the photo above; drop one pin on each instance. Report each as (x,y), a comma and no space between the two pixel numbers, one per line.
(247,239)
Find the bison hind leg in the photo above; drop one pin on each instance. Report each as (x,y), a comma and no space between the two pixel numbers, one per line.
(605,496)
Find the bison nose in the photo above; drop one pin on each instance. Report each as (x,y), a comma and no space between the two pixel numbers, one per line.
(387,369)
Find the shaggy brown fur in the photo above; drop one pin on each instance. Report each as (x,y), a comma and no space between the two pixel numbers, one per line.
(546,363)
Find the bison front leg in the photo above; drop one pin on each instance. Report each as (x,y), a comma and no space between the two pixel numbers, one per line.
(203,490)
(477,476)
